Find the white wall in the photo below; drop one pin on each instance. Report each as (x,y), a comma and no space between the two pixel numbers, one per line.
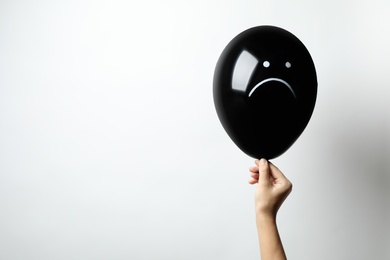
(110,147)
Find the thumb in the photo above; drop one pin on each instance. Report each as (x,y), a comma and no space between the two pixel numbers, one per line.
(264,171)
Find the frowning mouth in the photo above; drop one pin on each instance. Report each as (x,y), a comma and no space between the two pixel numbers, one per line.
(272,79)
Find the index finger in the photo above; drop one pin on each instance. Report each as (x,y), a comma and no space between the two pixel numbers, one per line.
(275,172)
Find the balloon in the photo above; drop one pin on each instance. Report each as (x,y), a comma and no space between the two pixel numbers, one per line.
(265,89)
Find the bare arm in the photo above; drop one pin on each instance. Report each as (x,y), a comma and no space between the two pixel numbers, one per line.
(272,189)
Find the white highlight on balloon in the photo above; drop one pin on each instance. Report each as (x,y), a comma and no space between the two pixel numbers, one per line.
(266,64)
(243,69)
(288,65)
(271,79)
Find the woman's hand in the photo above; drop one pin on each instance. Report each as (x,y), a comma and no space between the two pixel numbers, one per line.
(273,187)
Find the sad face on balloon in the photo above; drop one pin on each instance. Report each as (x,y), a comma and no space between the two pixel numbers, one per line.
(265,89)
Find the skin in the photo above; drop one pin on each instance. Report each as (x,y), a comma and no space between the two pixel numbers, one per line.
(272,189)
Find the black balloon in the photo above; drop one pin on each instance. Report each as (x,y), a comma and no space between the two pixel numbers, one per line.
(265,89)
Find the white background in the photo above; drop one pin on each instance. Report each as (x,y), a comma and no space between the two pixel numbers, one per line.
(110,147)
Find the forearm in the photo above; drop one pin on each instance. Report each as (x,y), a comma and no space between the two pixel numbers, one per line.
(271,247)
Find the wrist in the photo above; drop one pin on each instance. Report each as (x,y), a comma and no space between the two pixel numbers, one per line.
(266,217)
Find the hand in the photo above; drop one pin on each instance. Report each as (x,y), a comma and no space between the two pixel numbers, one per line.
(273,187)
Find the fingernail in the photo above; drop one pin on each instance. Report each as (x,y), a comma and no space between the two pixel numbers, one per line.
(263,161)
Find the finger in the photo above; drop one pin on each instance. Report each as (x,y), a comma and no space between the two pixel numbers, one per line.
(252,181)
(257,162)
(275,172)
(255,175)
(254,169)
(264,171)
